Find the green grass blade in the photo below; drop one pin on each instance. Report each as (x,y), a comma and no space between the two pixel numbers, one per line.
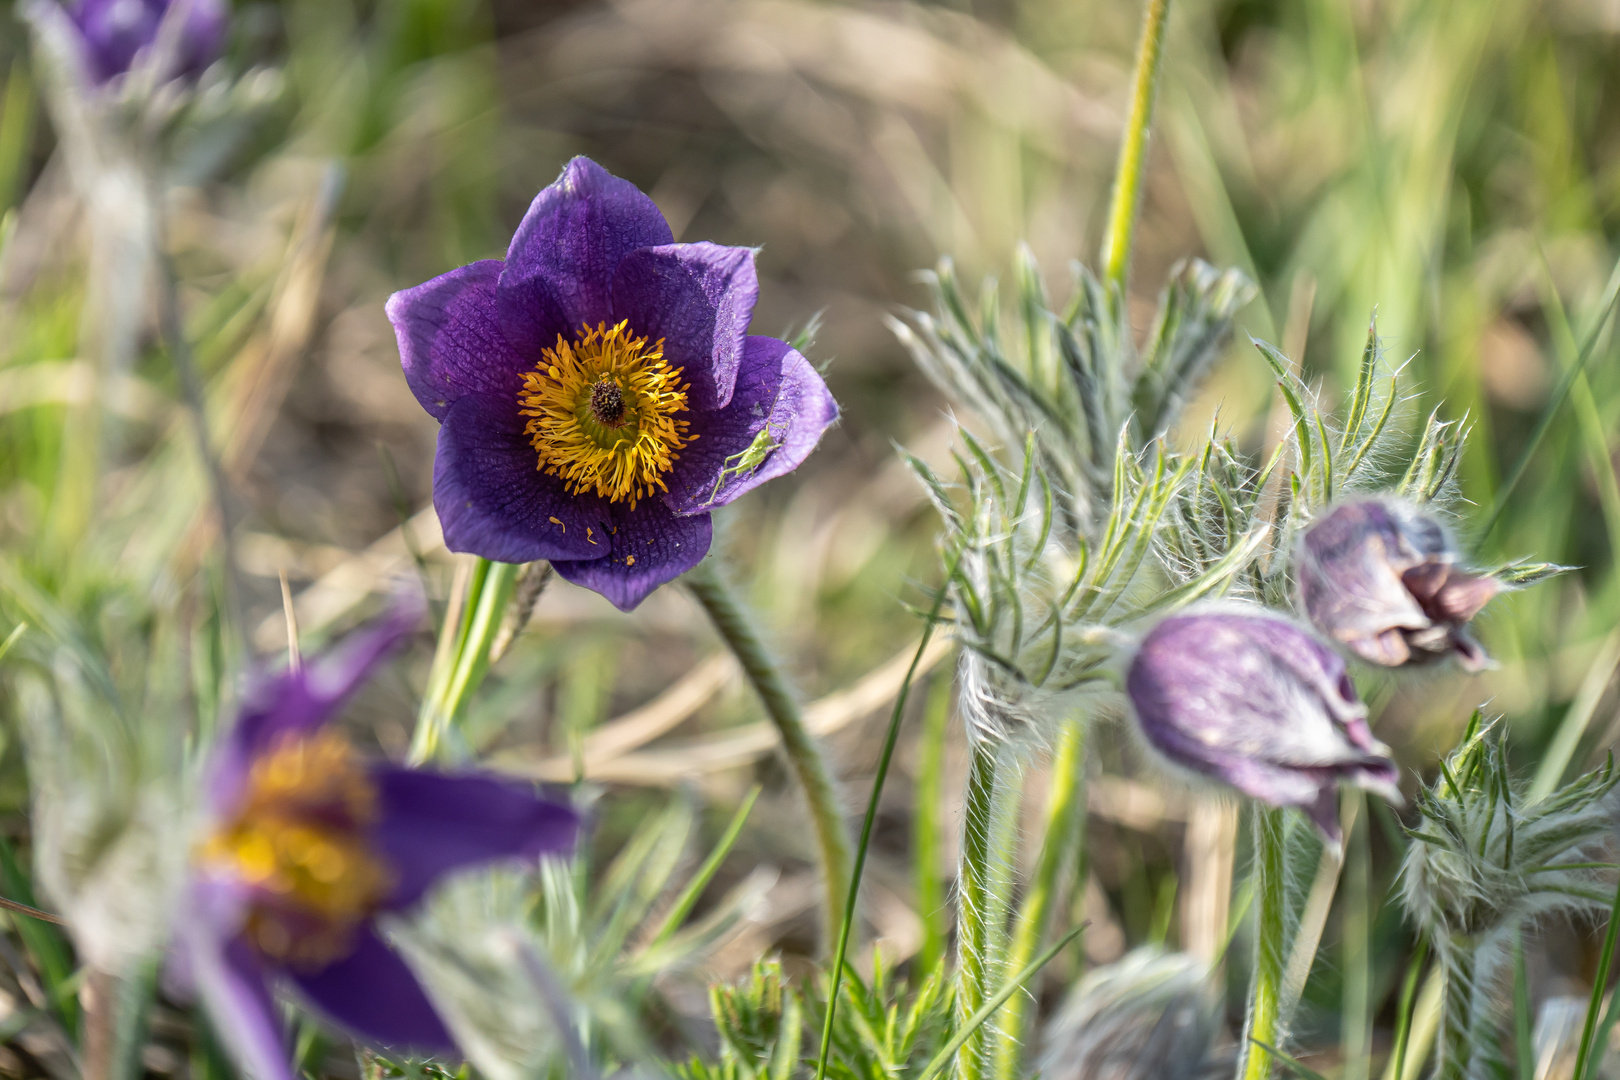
(700,881)
(889,740)
(928,825)
(996,1000)
(1605,959)
(1555,402)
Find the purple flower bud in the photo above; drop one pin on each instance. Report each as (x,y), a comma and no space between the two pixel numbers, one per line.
(1380,577)
(1247,697)
(115,33)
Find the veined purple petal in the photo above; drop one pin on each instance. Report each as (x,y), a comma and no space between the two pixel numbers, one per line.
(232,983)
(433,823)
(645,547)
(1252,700)
(559,267)
(697,298)
(302,702)
(491,496)
(450,339)
(776,389)
(375,995)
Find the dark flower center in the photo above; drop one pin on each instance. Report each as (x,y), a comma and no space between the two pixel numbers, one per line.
(607,403)
(604,413)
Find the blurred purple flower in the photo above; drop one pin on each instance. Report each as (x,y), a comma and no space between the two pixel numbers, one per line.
(114,33)
(1380,576)
(598,391)
(1249,698)
(309,843)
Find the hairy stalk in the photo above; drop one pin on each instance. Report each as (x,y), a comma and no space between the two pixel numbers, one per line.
(1116,248)
(974,890)
(1064,817)
(1265,994)
(1457,956)
(457,671)
(739,634)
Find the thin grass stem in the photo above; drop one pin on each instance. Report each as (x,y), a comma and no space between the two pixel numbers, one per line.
(884,758)
(974,1023)
(1555,402)
(1127,194)
(1605,959)
(927,848)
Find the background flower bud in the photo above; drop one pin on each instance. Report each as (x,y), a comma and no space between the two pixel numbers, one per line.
(1152,1014)
(1380,577)
(1249,698)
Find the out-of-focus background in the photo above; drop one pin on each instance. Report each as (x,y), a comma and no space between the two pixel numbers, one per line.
(1453,165)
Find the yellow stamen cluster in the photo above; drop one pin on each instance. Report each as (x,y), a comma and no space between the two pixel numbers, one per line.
(602,413)
(298,841)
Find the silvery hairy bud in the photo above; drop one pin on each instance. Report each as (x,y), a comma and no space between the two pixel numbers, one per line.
(1485,860)
(1247,697)
(1380,576)
(1150,1015)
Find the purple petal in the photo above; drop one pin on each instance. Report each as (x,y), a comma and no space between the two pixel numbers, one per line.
(491,496)
(231,980)
(776,388)
(645,547)
(372,993)
(1256,702)
(450,339)
(697,298)
(115,33)
(302,702)
(433,823)
(559,268)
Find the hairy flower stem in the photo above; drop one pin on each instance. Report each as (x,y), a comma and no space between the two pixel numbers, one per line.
(974,903)
(1116,248)
(1065,817)
(804,755)
(1457,958)
(459,669)
(1265,994)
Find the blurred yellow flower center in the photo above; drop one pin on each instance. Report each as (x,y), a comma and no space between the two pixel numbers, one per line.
(299,843)
(602,413)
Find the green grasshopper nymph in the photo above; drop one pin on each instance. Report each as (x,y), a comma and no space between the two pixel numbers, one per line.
(750,458)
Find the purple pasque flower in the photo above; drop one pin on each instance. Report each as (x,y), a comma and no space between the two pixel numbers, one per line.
(1251,699)
(598,391)
(114,33)
(308,843)
(1379,576)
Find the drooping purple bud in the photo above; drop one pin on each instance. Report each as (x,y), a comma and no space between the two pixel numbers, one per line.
(1248,698)
(1380,576)
(116,32)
